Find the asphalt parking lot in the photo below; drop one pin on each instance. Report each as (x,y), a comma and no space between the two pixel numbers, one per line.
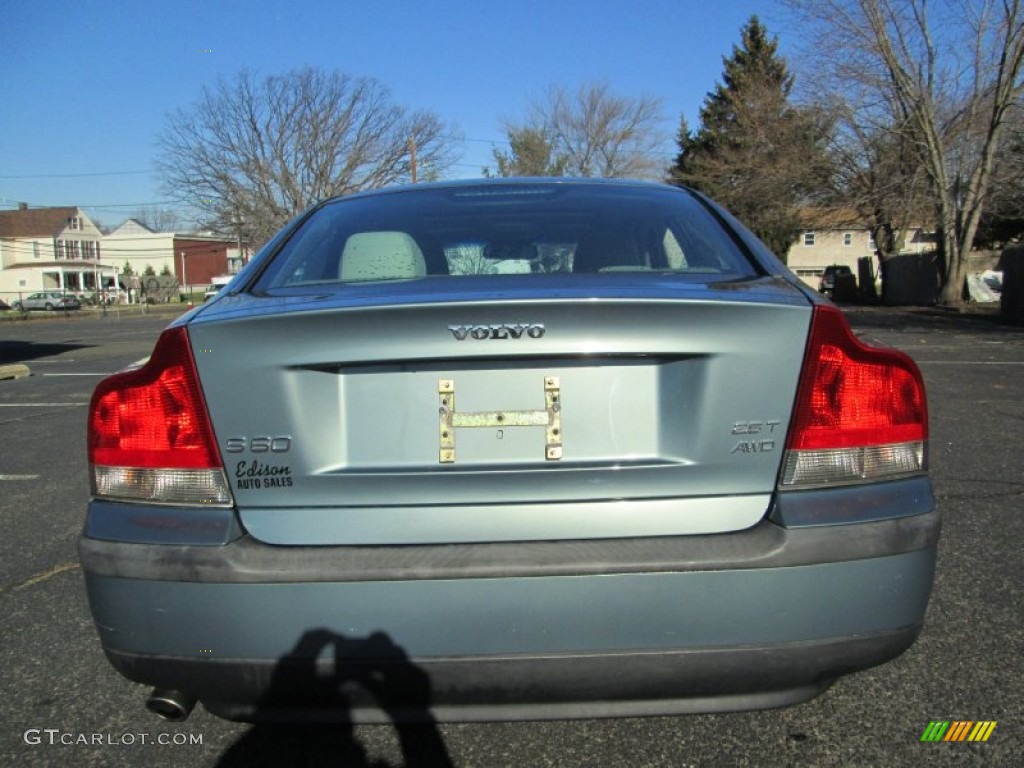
(61,703)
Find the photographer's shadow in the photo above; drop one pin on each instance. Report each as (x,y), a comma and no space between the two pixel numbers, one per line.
(370,673)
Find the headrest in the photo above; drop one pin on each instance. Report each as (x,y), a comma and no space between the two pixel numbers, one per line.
(381,256)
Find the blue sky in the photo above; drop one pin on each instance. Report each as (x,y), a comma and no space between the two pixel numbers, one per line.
(86,87)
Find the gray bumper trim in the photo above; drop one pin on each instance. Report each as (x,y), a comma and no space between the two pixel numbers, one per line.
(766,545)
(854,504)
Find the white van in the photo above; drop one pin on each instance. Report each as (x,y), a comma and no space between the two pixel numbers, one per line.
(216,284)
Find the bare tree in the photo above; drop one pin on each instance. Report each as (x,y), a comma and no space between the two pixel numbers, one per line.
(945,72)
(158,219)
(879,180)
(587,132)
(261,151)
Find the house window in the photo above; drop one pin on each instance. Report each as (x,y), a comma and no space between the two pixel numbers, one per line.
(35,250)
(810,272)
(59,250)
(74,223)
(67,249)
(808,238)
(847,239)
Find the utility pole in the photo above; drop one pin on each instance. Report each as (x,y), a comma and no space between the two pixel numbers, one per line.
(239,222)
(184,279)
(412,151)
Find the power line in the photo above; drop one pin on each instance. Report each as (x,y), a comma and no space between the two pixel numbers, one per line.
(74,175)
(488,141)
(473,140)
(138,172)
(116,207)
(106,250)
(97,206)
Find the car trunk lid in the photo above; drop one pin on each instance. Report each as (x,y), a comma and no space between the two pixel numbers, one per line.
(503,416)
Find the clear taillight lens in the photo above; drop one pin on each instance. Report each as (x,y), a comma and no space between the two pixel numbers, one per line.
(150,437)
(860,412)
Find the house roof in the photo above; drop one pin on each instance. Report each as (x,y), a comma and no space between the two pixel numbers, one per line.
(814,217)
(35,222)
(132,227)
(838,218)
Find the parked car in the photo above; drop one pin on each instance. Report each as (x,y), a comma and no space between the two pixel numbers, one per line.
(48,300)
(508,449)
(832,274)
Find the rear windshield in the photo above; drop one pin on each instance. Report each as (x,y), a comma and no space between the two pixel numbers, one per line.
(498,230)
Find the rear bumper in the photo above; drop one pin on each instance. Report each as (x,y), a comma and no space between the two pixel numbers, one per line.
(393,688)
(763,617)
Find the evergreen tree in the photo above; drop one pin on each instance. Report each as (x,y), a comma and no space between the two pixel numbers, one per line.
(755,152)
(532,153)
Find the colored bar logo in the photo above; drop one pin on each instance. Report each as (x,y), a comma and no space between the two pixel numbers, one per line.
(958,730)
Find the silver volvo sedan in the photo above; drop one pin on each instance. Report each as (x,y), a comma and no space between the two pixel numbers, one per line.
(508,450)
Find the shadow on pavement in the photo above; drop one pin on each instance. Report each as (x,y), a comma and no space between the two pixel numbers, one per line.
(370,672)
(21,351)
(929,319)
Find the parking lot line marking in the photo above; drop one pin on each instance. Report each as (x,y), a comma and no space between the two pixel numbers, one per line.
(19,477)
(970,362)
(45,575)
(39,405)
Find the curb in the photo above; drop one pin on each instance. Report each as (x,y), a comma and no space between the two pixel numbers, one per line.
(17,371)
(93,313)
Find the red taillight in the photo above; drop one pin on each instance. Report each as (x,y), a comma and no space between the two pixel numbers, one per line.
(149,433)
(860,411)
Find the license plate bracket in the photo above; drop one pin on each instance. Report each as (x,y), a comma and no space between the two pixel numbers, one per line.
(452,420)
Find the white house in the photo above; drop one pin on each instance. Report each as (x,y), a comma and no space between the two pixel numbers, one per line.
(56,249)
(193,258)
(134,244)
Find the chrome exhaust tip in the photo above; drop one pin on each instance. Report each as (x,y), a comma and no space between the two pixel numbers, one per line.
(170,705)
